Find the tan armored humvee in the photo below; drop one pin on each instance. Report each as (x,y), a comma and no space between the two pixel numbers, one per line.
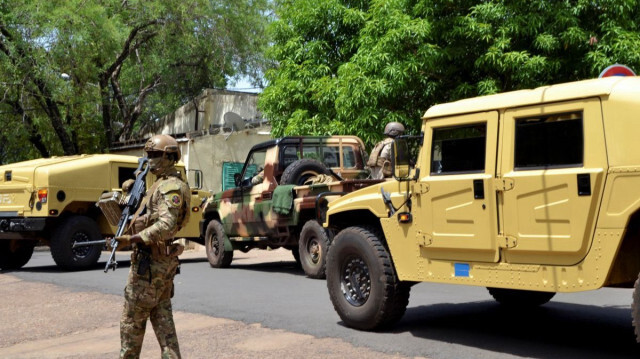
(527,193)
(52,200)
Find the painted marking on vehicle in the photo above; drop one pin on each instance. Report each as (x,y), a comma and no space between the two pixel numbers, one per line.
(461,269)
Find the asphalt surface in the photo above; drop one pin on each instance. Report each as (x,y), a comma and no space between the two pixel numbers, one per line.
(264,289)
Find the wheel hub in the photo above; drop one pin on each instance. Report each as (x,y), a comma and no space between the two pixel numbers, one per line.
(314,251)
(83,251)
(356,282)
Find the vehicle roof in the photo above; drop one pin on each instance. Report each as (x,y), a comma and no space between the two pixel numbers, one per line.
(544,94)
(307,140)
(93,159)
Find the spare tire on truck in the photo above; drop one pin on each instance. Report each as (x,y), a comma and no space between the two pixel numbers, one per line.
(301,170)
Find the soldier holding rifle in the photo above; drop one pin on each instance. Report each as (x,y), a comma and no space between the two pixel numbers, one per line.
(154,261)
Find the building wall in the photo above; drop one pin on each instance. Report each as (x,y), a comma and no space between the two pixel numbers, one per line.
(205,141)
(211,107)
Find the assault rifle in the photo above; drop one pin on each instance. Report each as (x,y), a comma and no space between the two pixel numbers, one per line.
(135,198)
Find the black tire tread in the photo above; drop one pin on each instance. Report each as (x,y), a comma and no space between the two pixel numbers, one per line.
(61,250)
(396,293)
(16,258)
(324,237)
(224,259)
(635,309)
(292,173)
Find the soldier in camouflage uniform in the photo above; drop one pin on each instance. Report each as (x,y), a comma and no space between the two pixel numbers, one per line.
(154,261)
(380,159)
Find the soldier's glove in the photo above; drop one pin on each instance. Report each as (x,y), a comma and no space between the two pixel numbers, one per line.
(175,249)
(127,185)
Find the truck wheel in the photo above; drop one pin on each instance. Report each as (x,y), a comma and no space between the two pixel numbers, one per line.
(71,230)
(214,243)
(15,254)
(301,170)
(313,245)
(520,298)
(635,309)
(362,283)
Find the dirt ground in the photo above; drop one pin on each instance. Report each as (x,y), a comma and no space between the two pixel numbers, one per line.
(66,325)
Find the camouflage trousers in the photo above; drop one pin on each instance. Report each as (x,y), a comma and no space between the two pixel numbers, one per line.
(148,296)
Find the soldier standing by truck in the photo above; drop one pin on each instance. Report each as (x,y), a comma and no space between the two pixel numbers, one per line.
(154,261)
(380,158)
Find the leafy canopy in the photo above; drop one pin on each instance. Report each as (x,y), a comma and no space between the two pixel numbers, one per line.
(349,67)
(77,76)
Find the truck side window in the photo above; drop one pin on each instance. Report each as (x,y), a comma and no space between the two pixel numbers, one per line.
(459,149)
(289,155)
(348,157)
(125,173)
(549,141)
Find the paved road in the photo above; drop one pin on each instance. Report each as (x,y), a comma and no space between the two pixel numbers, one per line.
(442,321)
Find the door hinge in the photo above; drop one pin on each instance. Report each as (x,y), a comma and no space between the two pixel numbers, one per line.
(420,188)
(504,184)
(507,242)
(424,239)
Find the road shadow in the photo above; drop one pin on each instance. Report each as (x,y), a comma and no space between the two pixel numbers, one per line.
(285,267)
(555,330)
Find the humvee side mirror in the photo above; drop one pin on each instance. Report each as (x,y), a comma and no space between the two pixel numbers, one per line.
(401,160)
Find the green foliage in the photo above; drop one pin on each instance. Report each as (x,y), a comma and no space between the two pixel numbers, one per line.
(128,62)
(350,67)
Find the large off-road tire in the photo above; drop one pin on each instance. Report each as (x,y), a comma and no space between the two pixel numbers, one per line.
(313,245)
(75,229)
(14,254)
(635,309)
(520,298)
(301,170)
(214,243)
(362,282)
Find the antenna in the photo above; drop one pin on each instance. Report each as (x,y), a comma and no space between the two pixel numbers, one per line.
(233,121)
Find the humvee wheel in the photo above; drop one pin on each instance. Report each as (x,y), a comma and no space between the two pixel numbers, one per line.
(214,243)
(15,254)
(301,170)
(362,283)
(75,229)
(635,309)
(313,245)
(519,298)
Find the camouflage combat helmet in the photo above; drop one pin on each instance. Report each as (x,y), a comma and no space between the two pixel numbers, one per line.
(163,152)
(393,129)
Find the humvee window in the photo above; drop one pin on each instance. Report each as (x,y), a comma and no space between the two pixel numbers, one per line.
(459,149)
(125,173)
(549,141)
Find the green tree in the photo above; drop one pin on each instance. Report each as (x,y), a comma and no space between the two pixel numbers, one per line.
(399,57)
(77,76)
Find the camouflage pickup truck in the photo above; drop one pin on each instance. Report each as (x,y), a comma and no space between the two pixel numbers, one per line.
(52,201)
(271,207)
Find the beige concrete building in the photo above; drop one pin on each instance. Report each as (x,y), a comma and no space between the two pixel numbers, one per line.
(215,132)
